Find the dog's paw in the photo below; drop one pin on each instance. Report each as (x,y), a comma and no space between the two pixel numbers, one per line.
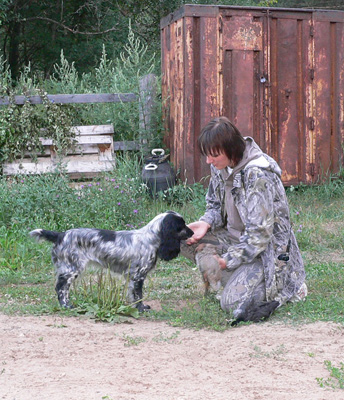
(143,308)
(66,306)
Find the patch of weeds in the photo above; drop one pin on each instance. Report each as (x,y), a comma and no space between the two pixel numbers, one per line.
(133,340)
(336,379)
(15,254)
(276,353)
(58,326)
(162,337)
(175,280)
(206,313)
(182,193)
(103,297)
(2,371)
(24,277)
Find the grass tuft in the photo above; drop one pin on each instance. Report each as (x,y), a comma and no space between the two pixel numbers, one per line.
(103,297)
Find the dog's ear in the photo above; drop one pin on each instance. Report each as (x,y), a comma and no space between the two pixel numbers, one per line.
(169,234)
(169,248)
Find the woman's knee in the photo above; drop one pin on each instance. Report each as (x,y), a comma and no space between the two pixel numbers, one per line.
(229,300)
(238,291)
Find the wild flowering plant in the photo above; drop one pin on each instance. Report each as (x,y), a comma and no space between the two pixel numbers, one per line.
(114,202)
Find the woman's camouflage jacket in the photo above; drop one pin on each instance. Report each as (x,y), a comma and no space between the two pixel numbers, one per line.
(260,198)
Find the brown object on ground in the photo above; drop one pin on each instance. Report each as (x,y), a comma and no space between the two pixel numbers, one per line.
(206,260)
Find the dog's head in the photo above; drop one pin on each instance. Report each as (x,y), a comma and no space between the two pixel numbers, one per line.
(172,230)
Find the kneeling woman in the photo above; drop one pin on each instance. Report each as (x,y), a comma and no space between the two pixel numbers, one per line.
(247,216)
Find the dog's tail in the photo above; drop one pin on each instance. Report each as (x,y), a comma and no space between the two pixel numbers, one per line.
(257,312)
(51,236)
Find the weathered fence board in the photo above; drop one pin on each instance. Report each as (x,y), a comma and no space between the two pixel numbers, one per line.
(73,98)
(76,169)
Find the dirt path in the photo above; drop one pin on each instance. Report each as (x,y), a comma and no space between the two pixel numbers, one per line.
(53,358)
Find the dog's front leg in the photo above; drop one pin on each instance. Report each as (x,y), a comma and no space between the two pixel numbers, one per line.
(138,286)
(135,294)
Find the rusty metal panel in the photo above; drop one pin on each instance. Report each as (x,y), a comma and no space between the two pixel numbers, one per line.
(290,65)
(190,87)
(243,71)
(209,80)
(276,73)
(191,91)
(328,93)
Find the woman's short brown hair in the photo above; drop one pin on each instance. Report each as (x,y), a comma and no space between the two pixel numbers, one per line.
(221,136)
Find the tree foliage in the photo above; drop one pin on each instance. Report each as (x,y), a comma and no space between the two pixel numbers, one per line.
(35,31)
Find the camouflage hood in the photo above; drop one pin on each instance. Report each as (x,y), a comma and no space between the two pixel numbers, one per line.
(253,157)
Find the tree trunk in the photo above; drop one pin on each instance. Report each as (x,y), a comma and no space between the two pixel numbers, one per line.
(13,51)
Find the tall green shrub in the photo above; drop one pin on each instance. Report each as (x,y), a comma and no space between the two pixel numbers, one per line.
(112,75)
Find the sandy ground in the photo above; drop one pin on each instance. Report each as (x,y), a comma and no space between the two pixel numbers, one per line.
(69,358)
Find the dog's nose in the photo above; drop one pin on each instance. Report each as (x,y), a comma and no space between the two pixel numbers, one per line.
(186,233)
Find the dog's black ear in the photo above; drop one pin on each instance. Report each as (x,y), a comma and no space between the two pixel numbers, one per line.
(169,234)
(169,248)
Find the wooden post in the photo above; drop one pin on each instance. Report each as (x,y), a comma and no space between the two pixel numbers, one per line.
(147,108)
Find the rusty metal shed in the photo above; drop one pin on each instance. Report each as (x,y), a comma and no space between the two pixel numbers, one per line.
(278,74)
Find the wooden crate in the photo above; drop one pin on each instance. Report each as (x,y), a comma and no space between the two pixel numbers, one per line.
(92,153)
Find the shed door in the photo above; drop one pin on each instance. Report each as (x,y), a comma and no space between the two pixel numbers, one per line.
(267,85)
(243,74)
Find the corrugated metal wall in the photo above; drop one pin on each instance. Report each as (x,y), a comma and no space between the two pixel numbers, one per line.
(278,74)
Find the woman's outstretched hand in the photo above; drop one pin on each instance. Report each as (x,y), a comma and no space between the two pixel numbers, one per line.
(200,228)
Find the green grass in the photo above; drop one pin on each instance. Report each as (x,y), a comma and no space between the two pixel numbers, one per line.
(336,379)
(325,299)
(174,289)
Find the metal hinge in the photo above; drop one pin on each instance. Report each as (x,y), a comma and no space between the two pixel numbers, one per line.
(311,124)
(311,30)
(311,74)
(312,169)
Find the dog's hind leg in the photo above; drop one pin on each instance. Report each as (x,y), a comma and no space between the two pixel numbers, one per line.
(62,287)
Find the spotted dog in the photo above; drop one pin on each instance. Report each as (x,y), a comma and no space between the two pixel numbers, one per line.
(132,252)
